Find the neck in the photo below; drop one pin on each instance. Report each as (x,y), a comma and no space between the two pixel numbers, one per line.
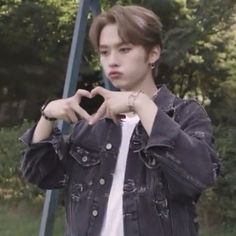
(148,87)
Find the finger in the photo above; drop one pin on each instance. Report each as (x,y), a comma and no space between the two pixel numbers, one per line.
(112,116)
(82,93)
(99,114)
(81,112)
(100,91)
(73,118)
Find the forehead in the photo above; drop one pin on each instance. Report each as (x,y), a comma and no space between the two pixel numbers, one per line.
(109,36)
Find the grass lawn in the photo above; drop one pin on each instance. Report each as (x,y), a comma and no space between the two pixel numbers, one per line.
(24,221)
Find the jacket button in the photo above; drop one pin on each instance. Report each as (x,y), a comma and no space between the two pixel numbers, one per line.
(153,162)
(108,146)
(84,158)
(102,181)
(95,213)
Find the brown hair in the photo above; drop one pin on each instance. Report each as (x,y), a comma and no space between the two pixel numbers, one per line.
(136,25)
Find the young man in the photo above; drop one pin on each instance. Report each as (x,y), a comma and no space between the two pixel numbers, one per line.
(137,166)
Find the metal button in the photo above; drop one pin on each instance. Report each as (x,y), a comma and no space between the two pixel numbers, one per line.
(95,212)
(152,162)
(108,146)
(84,158)
(102,181)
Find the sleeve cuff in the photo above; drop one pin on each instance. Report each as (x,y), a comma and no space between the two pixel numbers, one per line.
(26,138)
(164,131)
(55,139)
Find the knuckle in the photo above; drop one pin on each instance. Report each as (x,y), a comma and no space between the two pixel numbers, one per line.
(79,91)
(66,108)
(69,102)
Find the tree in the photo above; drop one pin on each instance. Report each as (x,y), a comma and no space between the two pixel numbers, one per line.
(34,40)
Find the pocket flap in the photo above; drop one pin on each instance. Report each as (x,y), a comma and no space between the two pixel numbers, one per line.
(84,156)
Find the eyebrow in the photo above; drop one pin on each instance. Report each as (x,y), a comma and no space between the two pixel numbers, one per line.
(116,45)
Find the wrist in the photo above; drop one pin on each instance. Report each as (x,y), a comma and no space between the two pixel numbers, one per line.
(51,119)
(143,104)
(141,101)
(44,115)
(132,100)
(45,121)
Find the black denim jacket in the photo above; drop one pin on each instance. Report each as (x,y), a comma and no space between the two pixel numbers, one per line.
(165,174)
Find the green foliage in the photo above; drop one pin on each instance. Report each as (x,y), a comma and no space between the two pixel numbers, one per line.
(197,48)
(12,187)
(35,39)
(218,204)
(36,31)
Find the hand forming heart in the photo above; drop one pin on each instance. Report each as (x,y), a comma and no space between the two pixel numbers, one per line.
(114,105)
(68,109)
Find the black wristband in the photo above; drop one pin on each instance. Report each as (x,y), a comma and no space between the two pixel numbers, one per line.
(44,115)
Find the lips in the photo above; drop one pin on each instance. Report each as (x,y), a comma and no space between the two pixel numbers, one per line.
(114,74)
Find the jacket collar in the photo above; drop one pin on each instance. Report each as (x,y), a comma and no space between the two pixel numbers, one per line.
(164,98)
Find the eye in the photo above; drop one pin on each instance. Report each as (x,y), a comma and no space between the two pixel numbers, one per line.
(125,49)
(103,52)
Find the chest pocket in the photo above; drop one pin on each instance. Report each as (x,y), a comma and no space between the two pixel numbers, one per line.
(85,157)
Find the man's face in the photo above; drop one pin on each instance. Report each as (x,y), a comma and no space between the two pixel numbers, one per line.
(126,65)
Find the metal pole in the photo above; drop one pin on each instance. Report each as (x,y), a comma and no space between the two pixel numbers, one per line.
(48,216)
(76,49)
(51,198)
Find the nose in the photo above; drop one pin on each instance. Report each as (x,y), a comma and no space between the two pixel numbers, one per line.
(113,59)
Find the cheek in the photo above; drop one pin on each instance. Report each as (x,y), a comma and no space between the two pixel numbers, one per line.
(139,59)
(137,65)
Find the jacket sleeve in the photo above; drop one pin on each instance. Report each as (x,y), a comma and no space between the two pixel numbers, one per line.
(184,149)
(43,163)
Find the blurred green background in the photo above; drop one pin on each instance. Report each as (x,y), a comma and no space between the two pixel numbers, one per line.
(198,61)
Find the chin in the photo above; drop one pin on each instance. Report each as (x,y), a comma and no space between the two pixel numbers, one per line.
(120,85)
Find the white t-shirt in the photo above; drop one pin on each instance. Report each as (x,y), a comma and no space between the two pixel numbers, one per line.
(113,221)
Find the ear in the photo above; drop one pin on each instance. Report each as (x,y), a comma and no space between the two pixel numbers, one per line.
(154,54)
